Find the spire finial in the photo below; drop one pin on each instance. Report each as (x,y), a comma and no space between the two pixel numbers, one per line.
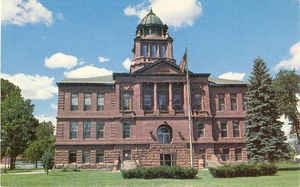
(151,11)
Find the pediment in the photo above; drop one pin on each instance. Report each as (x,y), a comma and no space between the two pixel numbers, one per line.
(161,67)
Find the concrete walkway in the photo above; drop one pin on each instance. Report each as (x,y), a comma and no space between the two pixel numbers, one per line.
(28,173)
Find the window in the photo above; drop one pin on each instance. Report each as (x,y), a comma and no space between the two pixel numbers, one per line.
(144,50)
(177,90)
(197,101)
(85,156)
(225,154)
(236,128)
(221,101)
(72,156)
(99,156)
(238,154)
(202,153)
(87,101)
(163,97)
(100,101)
(73,130)
(167,159)
(74,101)
(148,97)
(244,102)
(126,101)
(164,134)
(100,129)
(162,51)
(86,129)
(153,50)
(200,130)
(127,155)
(233,101)
(223,129)
(126,130)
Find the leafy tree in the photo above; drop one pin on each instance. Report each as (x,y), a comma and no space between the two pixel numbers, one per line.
(263,132)
(17,122)
(44,142)
(48,161)
(286,86)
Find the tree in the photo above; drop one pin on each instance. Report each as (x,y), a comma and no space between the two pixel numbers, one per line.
(263,130)
(17,122)
(286,86)
(48,161)
(44,142)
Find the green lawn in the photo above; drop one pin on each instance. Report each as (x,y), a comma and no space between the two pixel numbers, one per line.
(106,178)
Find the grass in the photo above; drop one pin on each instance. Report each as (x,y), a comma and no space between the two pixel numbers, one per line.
(106,178)
(284,165)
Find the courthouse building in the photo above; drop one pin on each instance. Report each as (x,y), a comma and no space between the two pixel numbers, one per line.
(142,115)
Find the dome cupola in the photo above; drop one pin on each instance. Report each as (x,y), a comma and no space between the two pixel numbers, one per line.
(151,24)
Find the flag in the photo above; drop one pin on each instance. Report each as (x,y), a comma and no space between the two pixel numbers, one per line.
(182,65)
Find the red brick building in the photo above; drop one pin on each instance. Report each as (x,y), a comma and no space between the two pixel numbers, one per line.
(142,115)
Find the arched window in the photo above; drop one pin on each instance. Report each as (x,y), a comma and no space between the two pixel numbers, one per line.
(164,134)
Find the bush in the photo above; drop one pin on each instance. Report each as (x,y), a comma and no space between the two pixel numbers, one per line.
(160,172)
(243,170)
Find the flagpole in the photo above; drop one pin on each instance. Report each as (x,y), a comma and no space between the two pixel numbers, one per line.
(189,111)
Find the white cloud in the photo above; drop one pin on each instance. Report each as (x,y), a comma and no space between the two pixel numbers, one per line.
(293,62)
(103,59)
(176,13)
(232,76)
(33,87)
(126,63)
(53,106)
(87,71)
(61,60)
(20,12)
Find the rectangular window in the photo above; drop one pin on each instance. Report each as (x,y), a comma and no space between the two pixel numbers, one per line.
(223,129)
(100,129)
(148,97)
(244,102)
(167,159)
(74,101)
(126,130)
(197,101)
(153,50)
(73,129)
(86,129)
(87,101)
(233,101)
(200,130)
(236,128)
(72,156)
(100,101)
(221,102)
(127,155)
(144,50)
(99,156)
(177,90)
(126,101)
(85,156)
(163,97)
(162,51)
(225,154)
(238,154)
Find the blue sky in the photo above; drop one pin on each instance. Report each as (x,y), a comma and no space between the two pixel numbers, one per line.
(45,40)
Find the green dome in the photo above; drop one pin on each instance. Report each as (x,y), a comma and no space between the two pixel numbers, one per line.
(151,19)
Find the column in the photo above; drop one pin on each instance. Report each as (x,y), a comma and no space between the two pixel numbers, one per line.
(171,110)
(185,107)
(155,98)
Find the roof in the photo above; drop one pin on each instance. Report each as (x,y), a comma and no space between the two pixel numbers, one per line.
(150,19)
(108,79)
(224,82)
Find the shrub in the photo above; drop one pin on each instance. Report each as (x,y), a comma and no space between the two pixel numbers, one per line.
(243,170)
(160,172)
